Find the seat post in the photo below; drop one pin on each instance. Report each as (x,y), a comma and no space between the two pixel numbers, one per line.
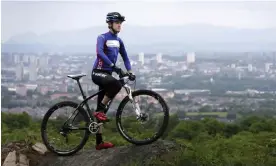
(83,95)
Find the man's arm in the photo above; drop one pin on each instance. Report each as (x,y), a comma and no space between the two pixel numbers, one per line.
(124,56)
(100,50)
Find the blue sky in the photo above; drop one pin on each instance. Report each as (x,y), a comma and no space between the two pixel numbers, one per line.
(41,17)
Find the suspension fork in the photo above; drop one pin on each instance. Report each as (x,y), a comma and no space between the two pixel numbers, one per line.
(135,104)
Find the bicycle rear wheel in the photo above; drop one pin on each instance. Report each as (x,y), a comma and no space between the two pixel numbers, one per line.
(63,127)
(128,123)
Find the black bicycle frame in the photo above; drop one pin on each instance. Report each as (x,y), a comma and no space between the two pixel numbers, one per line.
(85,99)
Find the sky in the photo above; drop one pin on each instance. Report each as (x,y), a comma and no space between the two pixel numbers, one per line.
(45,16)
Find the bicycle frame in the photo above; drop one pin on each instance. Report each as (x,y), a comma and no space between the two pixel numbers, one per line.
(85,99)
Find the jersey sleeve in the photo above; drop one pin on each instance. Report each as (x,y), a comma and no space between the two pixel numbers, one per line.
(124,55)
(100,50)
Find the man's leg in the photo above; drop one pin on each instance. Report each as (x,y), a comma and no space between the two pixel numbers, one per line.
(101,95)
(111,93)
(111,88)
(105,100)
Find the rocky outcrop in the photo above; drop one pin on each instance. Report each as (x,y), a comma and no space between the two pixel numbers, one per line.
(124,155)
(117,156)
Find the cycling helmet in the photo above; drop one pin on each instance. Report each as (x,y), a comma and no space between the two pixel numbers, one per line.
(114,16)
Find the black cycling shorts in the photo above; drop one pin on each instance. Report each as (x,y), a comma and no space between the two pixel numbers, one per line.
(106,82)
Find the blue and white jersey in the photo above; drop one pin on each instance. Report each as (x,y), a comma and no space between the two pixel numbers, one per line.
(108,47)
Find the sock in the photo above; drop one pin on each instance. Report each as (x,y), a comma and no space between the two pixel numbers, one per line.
(102,107)
(99,138)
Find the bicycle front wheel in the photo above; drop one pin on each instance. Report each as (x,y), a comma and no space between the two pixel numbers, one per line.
(151,122)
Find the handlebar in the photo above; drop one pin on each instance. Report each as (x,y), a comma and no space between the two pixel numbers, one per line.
(123,75)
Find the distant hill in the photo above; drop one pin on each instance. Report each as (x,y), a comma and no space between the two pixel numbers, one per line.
(167,39)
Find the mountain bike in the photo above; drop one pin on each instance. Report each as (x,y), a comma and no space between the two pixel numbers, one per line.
(91,125)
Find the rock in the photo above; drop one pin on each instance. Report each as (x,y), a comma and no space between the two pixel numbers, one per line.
(16,147)
(5,150)
(10,145)
(10,159)
(40,148)
(23,160)
(18,144)
(124,155)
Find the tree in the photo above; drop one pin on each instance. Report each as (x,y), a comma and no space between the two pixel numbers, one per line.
(260,126)
(187,129)
(231,129)
(174,120)
(16,121)
(206,108)
(247,122)
(212,126)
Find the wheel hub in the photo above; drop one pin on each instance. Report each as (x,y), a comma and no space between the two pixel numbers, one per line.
(142,117)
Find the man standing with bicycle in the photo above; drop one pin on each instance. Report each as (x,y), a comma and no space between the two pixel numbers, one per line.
(109,45)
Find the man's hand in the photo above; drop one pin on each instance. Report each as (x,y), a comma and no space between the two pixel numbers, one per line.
(117,69)
(132,77)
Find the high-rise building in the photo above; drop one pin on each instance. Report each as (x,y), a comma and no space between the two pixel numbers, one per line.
(32,72)
(190,57)
(16,58)
(19,72)
(26,58)
(44,61)
(239,76)
(250,67)
(33,59)
(141,58)
(159,58)
(267,67)
(37,61)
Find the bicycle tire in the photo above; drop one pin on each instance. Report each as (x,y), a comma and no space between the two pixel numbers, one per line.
(161,130)
(44,123)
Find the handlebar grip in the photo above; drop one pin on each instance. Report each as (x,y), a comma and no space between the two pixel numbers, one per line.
(123,74)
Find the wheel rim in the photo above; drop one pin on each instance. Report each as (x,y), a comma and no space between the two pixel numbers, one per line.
(146,135)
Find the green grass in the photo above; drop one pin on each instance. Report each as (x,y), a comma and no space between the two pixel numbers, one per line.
(220,114)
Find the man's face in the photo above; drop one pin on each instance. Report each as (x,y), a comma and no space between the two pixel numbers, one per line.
(117,26)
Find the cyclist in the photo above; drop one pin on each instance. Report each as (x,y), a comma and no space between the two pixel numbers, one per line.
(107,48)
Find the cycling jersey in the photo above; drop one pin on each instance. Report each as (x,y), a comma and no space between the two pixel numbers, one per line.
(108,47)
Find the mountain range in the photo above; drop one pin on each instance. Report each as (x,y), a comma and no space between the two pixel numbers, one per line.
(165,39)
